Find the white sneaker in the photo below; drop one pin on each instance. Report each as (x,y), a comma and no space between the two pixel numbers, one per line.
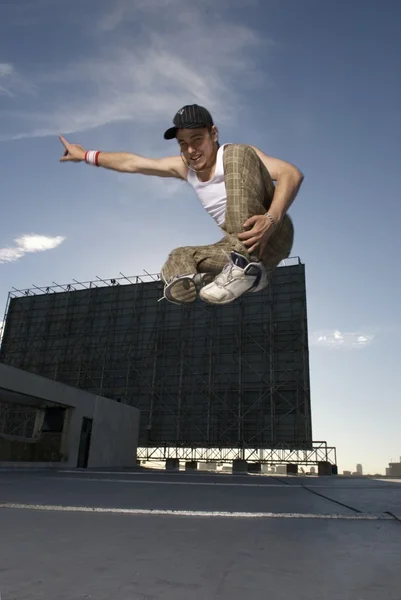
(238,277)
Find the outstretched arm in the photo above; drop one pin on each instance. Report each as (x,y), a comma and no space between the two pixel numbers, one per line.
(125,162)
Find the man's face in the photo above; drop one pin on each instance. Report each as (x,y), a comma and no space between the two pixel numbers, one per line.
(198,146)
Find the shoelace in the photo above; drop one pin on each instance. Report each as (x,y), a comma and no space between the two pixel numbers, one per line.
(220,280)
(164,297)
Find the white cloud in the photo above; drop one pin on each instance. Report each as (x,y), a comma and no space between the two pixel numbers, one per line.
(12,83)
(339,340)
(5,69)
(10,254)
(184,57)
(27,244)
(177,11)
(38,243)
(6,72)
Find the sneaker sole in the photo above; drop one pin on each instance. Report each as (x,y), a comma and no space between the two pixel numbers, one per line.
(218,302)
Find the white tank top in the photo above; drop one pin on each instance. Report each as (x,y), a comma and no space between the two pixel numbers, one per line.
(212,194)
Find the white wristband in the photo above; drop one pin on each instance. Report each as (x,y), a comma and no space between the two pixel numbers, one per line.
(91,157)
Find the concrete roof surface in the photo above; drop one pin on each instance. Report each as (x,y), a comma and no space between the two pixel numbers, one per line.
(147,535)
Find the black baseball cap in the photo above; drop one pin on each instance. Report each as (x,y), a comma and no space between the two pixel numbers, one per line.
(189,117)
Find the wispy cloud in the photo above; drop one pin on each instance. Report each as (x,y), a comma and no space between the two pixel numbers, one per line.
(5,69)
(12,83)
(184,57)
(27,244)
(179,11)
(341,340)
(6,77)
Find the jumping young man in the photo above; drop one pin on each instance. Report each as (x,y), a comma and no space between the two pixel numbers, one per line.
(234,183)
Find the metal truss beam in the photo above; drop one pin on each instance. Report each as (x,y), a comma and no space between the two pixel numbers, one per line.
(319,452)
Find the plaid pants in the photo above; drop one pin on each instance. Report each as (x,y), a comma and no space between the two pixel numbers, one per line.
(250,190)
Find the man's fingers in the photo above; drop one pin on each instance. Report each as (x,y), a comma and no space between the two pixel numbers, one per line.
(244,235)
(251,242)
(66,156)
(257,248)
(64,142)
(253,248)
(251,221)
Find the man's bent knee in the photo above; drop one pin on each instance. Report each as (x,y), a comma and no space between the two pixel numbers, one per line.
(179,262)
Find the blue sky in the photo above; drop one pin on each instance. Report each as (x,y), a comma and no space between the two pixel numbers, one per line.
(315,83)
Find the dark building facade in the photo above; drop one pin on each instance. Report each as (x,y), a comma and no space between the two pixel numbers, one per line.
(235,376)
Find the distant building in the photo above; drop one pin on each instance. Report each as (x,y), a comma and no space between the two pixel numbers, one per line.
(359,470)
(394,469)
(347,473)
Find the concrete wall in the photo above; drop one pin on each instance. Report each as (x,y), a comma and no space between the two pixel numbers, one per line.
(115,426)
(114,432)
(114,437)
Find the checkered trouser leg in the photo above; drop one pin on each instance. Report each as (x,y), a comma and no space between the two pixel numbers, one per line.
(250,191)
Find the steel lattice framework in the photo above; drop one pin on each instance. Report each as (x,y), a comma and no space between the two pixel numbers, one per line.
(319,452)
(204,377)
(17,420)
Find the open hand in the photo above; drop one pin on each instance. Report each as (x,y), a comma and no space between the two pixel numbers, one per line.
(256,238)
(73,152)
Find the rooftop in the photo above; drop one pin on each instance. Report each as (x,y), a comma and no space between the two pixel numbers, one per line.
(149,534)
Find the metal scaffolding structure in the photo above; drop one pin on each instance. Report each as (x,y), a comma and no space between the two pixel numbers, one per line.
(204,377)
(320,452)
(17,421)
